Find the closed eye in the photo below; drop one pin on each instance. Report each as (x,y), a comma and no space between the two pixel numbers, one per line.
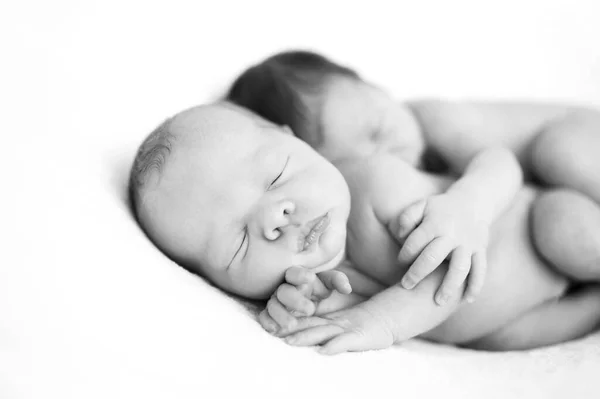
(280,174)
(244,238)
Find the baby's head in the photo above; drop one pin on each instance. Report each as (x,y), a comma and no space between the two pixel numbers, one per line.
(326,104)
(238,199)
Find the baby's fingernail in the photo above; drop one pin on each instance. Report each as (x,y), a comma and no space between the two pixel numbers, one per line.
(291,340)
(324,351)
(470,299)
(271,328)
(407,283)
(442,299)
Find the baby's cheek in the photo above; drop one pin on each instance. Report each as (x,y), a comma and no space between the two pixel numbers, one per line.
(333,241)
(258,284)
(268,272)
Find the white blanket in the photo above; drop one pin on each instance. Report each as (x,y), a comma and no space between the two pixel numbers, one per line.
(89,308)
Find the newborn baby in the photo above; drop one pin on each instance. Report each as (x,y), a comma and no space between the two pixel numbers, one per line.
(343,116)
(241,201)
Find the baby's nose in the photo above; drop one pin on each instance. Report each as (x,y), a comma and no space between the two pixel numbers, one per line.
(276,217)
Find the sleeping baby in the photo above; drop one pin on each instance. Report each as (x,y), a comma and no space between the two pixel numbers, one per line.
(246,204)
(342,116)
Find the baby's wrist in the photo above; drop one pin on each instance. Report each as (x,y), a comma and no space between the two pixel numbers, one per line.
(383,318)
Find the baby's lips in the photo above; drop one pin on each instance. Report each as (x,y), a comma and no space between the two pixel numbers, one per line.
(309,241)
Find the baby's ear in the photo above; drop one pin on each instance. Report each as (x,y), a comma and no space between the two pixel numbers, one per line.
(287,130)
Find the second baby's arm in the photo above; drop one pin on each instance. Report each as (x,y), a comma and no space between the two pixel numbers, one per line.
(456,222)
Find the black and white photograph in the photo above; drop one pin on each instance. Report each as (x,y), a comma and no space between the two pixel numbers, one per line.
(300,199)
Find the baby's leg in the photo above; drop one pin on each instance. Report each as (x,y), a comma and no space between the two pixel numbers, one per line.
(568,318)
(567,156)
(565,228)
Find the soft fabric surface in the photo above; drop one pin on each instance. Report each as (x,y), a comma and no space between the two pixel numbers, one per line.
(90,309)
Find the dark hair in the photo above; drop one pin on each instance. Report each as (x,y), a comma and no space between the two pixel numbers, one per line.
(278,88)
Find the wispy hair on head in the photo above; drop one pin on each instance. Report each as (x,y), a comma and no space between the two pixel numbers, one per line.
(149,161)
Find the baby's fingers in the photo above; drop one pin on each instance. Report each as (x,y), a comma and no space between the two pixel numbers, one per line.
(414,244)
(267,322)
(314,336)
(303,323)
(280,314)
(460,264)
(477,275)
(354,341)
(336,280)
(294,300)
(429,259)
(408,220)
(346,342)
(297,276)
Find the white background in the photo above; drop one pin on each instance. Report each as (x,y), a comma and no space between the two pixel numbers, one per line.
(89,309)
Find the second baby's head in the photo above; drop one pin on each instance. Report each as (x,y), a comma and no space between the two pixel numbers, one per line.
(239,199)
(328,105)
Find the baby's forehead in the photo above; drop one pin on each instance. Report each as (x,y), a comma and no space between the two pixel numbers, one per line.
(215,140)
(219,127)
(210,121)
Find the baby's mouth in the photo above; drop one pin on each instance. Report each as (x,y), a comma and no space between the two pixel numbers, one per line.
(317,227)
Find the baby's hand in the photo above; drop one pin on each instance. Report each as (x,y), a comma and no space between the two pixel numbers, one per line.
(350,330)
(299,296)
(434,228)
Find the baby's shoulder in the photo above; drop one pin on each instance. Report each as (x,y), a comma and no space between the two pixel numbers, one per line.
(374,166)
(375,171)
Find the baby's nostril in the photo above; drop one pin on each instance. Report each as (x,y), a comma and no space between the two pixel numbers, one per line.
(288,208)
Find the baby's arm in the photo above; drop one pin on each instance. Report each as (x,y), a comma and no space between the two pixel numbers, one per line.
(555,144)
(457,223)
(433,217)
(397,314)
(394,315)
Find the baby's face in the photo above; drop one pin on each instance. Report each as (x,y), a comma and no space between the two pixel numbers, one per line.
(241,200)
(357,119)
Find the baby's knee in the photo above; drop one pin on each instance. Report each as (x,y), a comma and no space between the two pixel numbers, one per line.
(549,155)
(564,159)
(565,228)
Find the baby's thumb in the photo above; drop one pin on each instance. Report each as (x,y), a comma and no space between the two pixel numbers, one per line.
(408,220)
(336,280)
(346,342)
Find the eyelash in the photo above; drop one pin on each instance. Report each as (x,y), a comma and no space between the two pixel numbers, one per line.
(244,238)
(280,174)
